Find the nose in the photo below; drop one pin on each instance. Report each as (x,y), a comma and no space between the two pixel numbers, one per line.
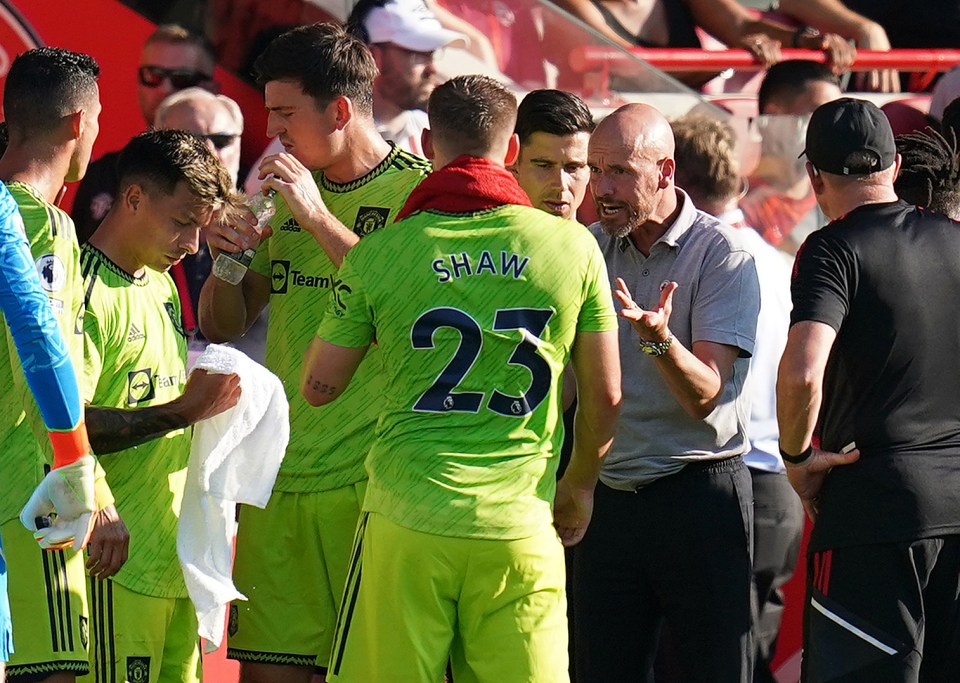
(190,240)
(600,184)
(274,127)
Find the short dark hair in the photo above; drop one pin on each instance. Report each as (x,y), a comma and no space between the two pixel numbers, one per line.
(930,171)
(707,165)
(358,15)
(788,79)
(471,114)
(44,85)
(556,112)
(325,60)
(160,159)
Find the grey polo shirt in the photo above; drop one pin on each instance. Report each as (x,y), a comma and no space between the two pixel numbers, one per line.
(718,300)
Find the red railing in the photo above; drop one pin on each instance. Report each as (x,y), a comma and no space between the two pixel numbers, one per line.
(594,57)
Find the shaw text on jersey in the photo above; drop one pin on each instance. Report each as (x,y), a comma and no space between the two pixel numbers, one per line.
(456,266)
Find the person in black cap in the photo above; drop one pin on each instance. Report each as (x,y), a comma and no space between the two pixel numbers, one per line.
(869,413)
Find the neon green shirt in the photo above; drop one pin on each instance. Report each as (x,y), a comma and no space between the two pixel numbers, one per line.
(136,356)
(475,330)
(53,243)
(327,445)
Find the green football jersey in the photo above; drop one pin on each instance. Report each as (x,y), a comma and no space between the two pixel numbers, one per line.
(135,357)
(475,325)
(53,243)
(327,445)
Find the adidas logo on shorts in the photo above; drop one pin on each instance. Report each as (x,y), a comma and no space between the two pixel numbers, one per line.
(134,334)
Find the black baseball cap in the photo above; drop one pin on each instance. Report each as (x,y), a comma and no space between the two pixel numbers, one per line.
(841,130)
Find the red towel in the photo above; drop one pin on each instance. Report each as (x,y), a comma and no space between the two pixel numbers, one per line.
(465,184)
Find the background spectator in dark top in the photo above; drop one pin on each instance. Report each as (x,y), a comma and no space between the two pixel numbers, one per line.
(172,59)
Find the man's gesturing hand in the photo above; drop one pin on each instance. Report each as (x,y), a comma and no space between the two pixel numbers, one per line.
(651,325)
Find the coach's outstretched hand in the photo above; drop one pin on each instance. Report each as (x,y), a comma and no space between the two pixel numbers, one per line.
(652,325)
(572,510)
(69,492)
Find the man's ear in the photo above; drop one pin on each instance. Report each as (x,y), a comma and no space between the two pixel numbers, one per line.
(816,180)
(76,123)
(667,168)
(513,150)
(132,198)
(344,111)
(426,143)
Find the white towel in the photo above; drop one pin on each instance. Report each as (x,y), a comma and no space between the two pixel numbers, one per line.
(234,458)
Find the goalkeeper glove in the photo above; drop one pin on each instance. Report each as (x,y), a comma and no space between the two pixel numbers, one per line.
(68,491)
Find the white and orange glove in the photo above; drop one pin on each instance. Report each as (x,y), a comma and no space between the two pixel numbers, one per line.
(69,490)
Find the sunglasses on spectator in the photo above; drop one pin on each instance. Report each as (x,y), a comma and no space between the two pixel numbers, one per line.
(219,140)
(153,76)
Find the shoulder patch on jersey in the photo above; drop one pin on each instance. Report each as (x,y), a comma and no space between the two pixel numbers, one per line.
(370,218)
(52,271)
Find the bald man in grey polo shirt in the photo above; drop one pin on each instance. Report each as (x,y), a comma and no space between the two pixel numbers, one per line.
(670,541)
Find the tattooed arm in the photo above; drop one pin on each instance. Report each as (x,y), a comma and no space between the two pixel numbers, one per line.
(327,370)
(205,395)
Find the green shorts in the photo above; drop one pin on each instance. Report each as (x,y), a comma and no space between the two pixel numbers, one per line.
(291,563)
(137,638)
(495,609)
(48,606)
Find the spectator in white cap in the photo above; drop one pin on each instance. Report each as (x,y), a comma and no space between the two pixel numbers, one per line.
(403,36)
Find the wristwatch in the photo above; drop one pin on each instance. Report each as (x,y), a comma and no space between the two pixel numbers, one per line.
(656,348)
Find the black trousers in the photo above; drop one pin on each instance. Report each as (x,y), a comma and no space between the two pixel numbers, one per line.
(676,552)
(887,613)
(777,533)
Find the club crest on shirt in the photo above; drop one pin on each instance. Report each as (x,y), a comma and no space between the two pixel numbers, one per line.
(140,386)
(53,274)
(138,669)
(370,218)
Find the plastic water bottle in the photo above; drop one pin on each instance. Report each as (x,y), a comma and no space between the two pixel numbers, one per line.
(231,267)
